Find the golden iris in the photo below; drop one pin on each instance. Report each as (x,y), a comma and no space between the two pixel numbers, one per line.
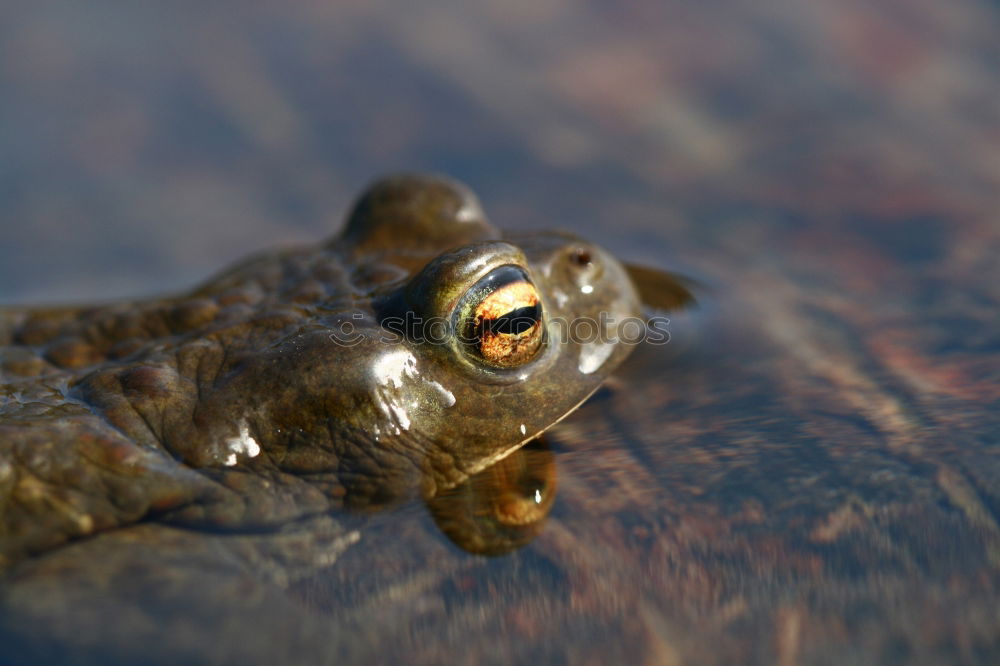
(504,322)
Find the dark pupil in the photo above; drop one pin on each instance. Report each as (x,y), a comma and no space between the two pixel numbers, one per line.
(516,321)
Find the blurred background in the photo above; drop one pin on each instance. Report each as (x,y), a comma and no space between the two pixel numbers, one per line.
(143,145)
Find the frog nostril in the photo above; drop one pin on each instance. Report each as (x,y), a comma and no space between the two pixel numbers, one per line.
(581,257)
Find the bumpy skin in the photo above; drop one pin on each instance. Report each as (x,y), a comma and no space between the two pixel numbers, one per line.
(280,388)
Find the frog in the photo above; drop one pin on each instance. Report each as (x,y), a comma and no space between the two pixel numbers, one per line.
(407,354)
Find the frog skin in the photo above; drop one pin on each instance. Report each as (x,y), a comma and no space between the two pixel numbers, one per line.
(386,362)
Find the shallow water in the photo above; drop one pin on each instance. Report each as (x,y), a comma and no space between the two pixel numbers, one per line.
(808,473)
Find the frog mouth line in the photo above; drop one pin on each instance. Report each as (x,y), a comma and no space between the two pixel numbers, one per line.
(492,460)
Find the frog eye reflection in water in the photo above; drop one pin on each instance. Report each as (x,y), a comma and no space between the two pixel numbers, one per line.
(502,507)
(285,387)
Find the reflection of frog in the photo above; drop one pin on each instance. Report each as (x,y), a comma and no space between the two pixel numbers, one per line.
(503,507)
(410,352)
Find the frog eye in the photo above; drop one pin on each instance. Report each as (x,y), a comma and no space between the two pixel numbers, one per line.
(501,318)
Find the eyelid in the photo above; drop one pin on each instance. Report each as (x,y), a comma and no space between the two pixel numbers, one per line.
(442,287)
